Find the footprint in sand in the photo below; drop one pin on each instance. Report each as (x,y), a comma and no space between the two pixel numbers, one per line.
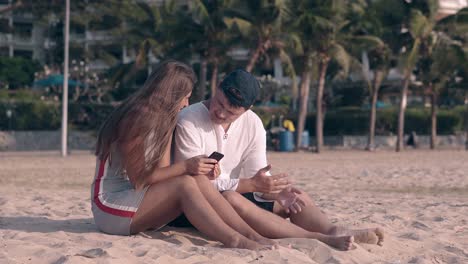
(419,225)
(93,253)
(456,250)
(412,236)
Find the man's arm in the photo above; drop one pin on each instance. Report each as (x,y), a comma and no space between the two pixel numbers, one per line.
(188,142)
(256,173)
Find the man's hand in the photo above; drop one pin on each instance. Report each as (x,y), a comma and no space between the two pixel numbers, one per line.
(290,199)
(269,184)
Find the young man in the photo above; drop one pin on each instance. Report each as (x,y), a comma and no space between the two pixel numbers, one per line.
(226,124)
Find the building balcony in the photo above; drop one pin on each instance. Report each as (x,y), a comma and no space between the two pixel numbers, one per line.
(22,40)
(4,39)
(99,36)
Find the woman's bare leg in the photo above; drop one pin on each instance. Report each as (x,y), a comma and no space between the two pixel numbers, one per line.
(227,212)
(311,218)
(273,226)
(166,200)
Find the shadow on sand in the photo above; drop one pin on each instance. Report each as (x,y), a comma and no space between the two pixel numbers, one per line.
(46,225)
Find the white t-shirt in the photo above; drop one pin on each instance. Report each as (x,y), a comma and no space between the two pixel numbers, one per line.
(243,145)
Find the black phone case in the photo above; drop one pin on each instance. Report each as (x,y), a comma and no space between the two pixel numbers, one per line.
(216,155)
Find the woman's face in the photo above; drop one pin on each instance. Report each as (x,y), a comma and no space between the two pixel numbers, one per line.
(185,101)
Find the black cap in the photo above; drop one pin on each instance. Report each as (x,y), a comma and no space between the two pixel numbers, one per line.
(241,88)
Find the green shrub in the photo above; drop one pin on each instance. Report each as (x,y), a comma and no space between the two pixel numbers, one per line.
(17,72)
(355,121)
(39,115)
(35,115)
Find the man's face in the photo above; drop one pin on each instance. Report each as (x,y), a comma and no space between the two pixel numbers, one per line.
(221,111)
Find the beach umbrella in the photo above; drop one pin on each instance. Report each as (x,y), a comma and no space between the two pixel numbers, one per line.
(55,80)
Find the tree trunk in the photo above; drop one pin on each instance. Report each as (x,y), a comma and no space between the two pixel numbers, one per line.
(466,128)
(214,78)
(433,116)
(202,85)
(373,114)
(466,139)
(11,7)
(254,58)
(401,114)
(262,47)
(304,91)
(76,94)
(319,117)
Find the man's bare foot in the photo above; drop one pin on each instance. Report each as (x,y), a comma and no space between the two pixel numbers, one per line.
(367,236)
(339,242)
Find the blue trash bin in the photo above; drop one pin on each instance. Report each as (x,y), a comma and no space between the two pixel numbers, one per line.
(305,139)
(286,141)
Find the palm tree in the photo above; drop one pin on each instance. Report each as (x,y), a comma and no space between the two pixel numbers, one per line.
(317,29)
(206,33)
(439,62)
(372,38)
(437,54)
(420,27)
(260,22)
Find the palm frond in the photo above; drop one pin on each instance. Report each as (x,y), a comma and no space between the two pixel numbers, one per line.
(339,54)
(201,13)
(367,42)
(243,26)
(418,24)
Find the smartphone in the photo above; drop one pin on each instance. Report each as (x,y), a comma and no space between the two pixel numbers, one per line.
(216,155)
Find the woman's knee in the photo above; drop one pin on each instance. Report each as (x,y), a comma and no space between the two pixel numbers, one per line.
(234,198)
(184,183)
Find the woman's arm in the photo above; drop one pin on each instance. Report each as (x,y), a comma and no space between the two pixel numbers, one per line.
(198,165)
(134,163)
(165,170)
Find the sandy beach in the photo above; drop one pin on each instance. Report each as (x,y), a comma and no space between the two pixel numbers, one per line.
(420,198)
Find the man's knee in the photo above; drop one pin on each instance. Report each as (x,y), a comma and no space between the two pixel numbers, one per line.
(307,199)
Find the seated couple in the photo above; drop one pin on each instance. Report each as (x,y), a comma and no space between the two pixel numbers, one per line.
(235,201)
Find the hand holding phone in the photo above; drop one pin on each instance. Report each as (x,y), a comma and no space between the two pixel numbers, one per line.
(216,155)
(216,172)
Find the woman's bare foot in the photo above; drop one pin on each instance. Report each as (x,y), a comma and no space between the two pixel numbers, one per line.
(367,236)
(339,242)
(266,241)
(243,242)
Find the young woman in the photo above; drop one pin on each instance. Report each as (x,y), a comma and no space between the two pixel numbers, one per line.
(136,187)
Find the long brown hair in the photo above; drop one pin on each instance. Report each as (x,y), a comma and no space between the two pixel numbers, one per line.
(147,119)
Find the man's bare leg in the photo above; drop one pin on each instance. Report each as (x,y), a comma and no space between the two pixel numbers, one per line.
(273,226)
(313,219)
(164,201)
(227,212)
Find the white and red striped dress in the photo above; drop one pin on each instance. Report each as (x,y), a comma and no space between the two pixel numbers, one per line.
(114,200)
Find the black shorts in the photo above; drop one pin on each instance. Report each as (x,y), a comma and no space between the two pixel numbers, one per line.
(182,221)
